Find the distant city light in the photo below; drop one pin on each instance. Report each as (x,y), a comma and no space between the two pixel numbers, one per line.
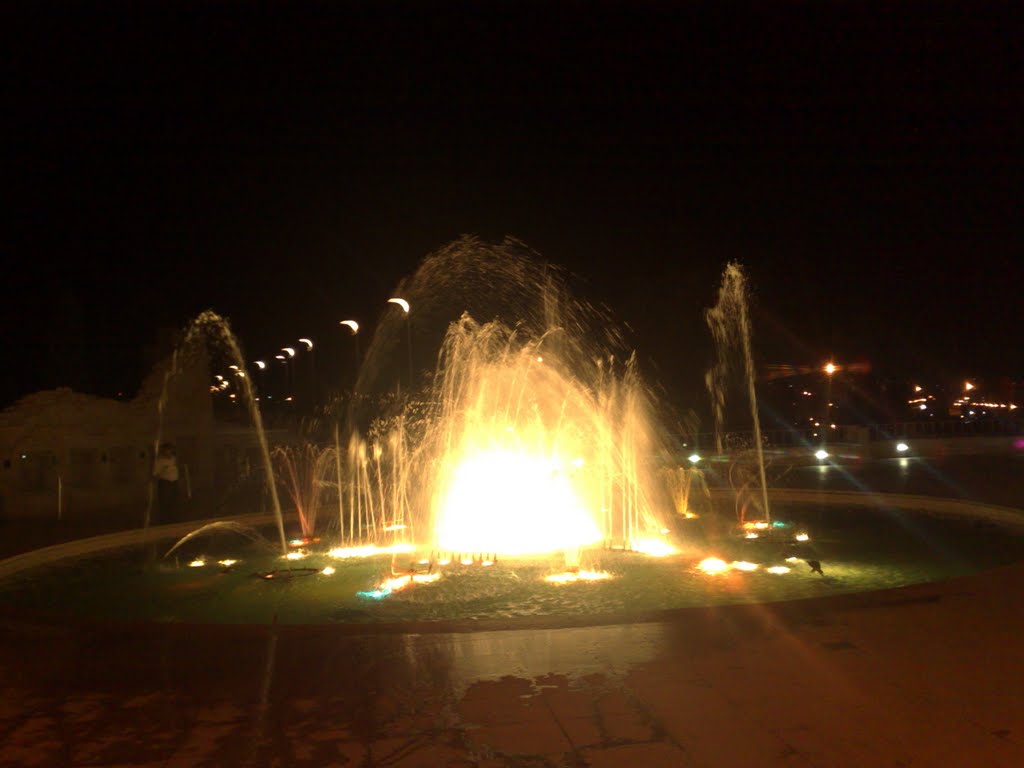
(968,386)
(830,368)
(902,447)
(821,454)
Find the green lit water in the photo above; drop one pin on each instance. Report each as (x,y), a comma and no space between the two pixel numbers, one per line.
(859,550)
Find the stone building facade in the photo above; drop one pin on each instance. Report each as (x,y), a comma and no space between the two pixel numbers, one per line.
(64,454)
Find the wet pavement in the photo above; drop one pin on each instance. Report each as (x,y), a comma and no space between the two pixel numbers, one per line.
(928,675)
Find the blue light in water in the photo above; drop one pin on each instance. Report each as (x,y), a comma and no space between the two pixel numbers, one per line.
(376,594)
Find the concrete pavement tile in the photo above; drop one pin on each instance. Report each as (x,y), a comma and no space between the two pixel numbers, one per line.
(35,742)
(582,731)
(435,756)
(570,703)
(80,710)
(614,703)
(532,738)
(201,743)
(725,741)
(510,700)
(627,727)
(658,754)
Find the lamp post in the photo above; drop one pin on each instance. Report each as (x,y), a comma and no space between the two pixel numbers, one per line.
(408,327)
(308,343)
(290,351)
(353,326)
(287,376)
(261,367)
(829,369)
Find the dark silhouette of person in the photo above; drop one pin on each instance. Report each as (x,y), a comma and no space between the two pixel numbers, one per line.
(165,472)
(815,567)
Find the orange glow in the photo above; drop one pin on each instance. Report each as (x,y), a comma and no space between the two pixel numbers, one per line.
(571,577)
(654,547)
(713,565)
(369,550)
(513,503)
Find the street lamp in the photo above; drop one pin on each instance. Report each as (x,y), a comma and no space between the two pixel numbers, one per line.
(287,374)
(408,327)
(290,351)
(353,326)
(830,368)
(312,369)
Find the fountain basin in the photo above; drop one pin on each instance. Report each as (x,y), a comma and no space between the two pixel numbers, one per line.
(863,543)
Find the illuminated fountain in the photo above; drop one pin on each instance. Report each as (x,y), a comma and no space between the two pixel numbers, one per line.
(520,470)
(729,321)
(209,327)
(533,435)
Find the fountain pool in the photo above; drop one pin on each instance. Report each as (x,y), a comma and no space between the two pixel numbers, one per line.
(859,549)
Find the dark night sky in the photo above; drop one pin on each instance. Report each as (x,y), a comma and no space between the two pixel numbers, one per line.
(287,164)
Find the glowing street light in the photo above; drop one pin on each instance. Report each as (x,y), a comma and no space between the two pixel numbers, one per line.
(821,454)
(829,368)
(408,327)
(353,326)
(313,391)
(693,458)
(260,364)
(289,350)
(902,447)
(968,386)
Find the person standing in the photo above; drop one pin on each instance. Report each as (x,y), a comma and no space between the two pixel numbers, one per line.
(165,472)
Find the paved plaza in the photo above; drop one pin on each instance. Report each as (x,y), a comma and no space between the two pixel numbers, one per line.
(927,675)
